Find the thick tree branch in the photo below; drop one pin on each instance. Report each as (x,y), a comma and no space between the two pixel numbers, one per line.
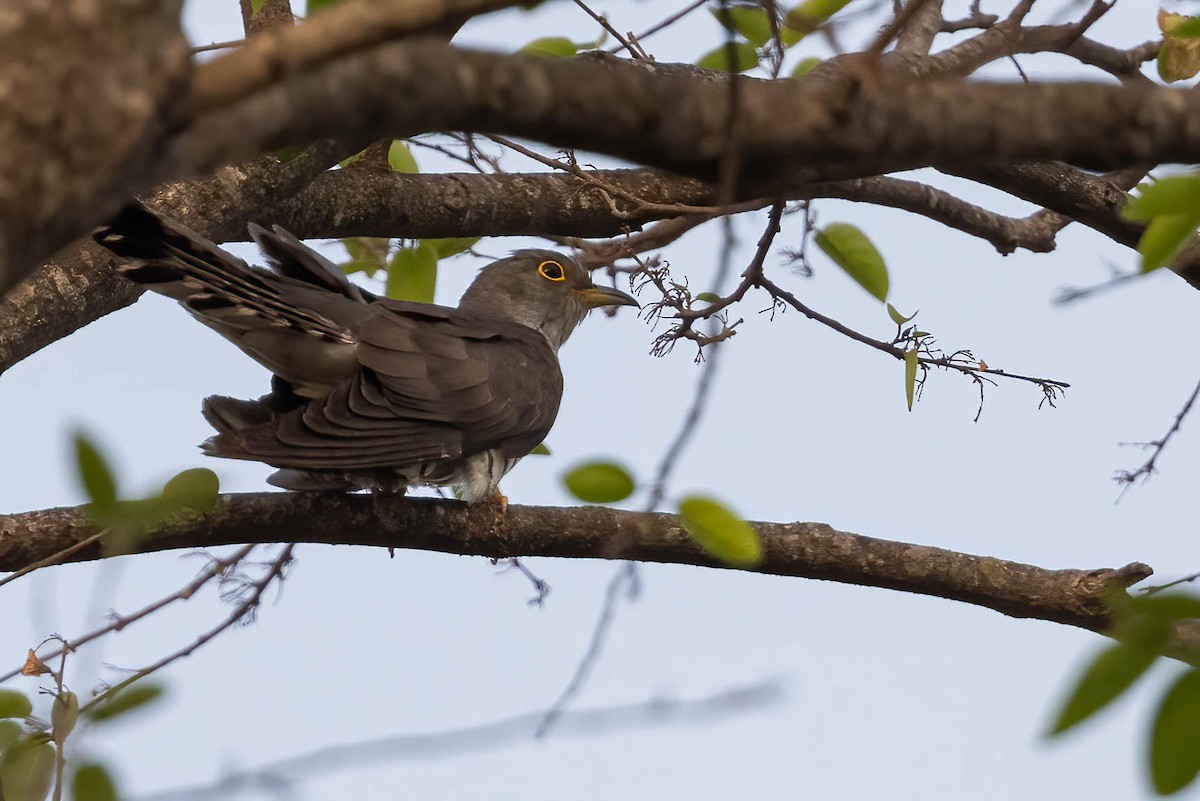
(1081,598)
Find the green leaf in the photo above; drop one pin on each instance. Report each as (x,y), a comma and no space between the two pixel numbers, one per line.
(599,482)
(1175,738)
(853,252)
(1170,605)
(14,704)
(93,783)
(133,697)
(745,57)
(64,711)
(317,5)
(812,14)
(197,489)
(1177,194)
(400,158)
(805,66)
(1179,53)
(27,769)
(751,22)
(558,46)
(911,361)
(1111,673)
(540,450)
(1164,238)
(256,6)
(412,275)
(897,317)
(708,297)
(368,254)
(445,248)
(720,532)
(9,732)
(95,475)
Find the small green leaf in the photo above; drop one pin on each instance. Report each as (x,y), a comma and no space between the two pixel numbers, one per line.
(93,783)
(133,697)
(14,704)
(810,15)
(751,23)
(64,711)
(445,248)
(9,732)
(540,450)
(897,317)
(720,532)
(412,275)
(400,158)
(27,769)
(853,252)
(1179,53)
(911,360)
(1164,238)
(599,482)
(1170,605)
(95,475)
(1177,194)
(256,6)
(317,5)
(805,66)
(197,489)
(745,57)
(558,46)
(708,297)
(1175,738)
(1111,673)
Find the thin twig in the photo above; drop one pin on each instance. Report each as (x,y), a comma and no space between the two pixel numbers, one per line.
(1126,478)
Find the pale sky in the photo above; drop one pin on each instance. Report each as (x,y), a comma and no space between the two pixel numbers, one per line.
(886,695)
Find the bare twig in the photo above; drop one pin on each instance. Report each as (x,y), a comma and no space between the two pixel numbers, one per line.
(1126,478)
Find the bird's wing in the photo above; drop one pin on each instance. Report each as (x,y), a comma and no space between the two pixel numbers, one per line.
(432,386)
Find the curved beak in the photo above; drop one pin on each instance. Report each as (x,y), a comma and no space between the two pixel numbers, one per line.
(597,296)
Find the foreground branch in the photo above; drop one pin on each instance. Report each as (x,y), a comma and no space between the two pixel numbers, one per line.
(1081,598)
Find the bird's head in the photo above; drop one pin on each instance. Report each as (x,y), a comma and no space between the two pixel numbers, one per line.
(540,289)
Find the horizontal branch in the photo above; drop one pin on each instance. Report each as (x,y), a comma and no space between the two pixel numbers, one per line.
(1081,598)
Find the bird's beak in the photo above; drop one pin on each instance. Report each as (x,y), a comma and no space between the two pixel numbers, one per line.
(597,296)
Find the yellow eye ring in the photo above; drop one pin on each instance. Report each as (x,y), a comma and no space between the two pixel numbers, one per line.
(552,271)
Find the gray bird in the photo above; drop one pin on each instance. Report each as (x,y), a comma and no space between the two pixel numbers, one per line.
(371,393)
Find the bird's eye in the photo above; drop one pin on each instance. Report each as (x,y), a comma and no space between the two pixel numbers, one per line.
(552,270)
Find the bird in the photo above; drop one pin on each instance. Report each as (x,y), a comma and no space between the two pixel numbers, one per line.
(370,393)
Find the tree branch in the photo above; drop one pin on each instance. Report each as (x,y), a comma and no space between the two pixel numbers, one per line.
(1082,598)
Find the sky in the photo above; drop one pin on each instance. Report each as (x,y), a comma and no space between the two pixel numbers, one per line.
(881,694)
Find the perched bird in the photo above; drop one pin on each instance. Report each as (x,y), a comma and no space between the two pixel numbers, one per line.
(371,393)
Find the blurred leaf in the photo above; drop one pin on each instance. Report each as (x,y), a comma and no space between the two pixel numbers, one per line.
(27,768)
(197,488)
(93,783)
(400,158)
(1163,240)
(132,697)
(1176,194)
(599,482)
(720,532)
(1175,738)
(1179,53)
(810,15)
(14,704)
(805,66)
(540,450)
(745,57)
(256,6)
(897,317)
(64,711)
(853,252)
(1111,673)
(1171,605)
(368,254)
(9,732)
(558,46)
(708,297)
(317,5)
(412,275)
(95,475)
(445,248)
(911,361)
(751,22)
